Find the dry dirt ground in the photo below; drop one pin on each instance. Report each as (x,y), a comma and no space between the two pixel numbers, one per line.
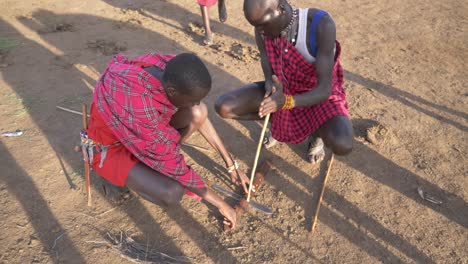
(406,66)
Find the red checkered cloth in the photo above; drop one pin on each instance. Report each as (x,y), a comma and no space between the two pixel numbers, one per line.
(299,76)
(134,105)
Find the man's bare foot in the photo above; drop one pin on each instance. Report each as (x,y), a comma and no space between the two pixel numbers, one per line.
(222,12)
(208,40)
(315,151)
(269,141)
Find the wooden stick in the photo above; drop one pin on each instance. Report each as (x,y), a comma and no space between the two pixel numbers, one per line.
(259,147)
(317,209)
(69,110)
(263,169)
(86,161)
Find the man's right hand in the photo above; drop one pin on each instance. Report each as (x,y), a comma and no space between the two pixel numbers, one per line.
(230,215)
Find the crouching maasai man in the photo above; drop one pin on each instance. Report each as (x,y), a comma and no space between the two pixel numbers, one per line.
(303,87)
(142,110)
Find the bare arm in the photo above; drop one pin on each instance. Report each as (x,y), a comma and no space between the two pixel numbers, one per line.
(326,35)
(225,209)
(266,66)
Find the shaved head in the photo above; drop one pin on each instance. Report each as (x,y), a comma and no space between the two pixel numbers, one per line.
(269,17)
(254,10)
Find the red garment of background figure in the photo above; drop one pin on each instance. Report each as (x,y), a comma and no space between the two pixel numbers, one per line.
(207,3)
(134,106)
(299,76)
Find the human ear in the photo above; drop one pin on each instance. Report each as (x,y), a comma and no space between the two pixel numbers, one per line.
(282,8)
(170,91)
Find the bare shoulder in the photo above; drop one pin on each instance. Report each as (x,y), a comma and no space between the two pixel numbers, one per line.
(326,23)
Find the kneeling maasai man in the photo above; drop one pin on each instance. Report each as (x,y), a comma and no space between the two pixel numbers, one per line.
(303,87)
(142,110)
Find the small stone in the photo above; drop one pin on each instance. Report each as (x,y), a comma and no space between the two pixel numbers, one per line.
(33,242)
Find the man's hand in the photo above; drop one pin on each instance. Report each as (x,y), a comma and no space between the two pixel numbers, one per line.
(269,88)
(229,214)
(275,101)
(238,177)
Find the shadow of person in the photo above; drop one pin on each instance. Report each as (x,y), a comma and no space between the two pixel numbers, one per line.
(410,100)
(406,182)
(306,197)
(181,17)
(54,82)
(46,226)
(39,85)
(400,179)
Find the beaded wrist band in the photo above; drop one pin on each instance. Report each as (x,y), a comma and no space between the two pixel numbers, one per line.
(289,102)
(233,167)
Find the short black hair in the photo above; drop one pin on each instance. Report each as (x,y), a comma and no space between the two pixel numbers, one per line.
(187,72)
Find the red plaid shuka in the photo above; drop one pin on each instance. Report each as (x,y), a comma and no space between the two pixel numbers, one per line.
(299,76)
(135,107)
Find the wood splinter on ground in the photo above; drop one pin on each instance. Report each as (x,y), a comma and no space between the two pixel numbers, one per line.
(257,184)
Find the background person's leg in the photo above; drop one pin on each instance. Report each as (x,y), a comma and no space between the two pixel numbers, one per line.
(222,12)
(206,24)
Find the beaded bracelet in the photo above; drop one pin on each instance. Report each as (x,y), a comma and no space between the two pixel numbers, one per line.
(289,102)
(233,167)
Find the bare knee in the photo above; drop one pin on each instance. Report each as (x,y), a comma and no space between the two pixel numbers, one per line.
(340,145)
(223,107)
(199,114)
(173,195)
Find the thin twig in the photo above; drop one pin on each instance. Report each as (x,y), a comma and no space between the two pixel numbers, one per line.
(236,248)
(108,211)
(97,242)
(112,209)
(70,110)
(90,216)
(55,242)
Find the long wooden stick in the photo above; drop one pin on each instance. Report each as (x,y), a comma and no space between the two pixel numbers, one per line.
(259,147)
(69,110)
(86,160)
(317,209)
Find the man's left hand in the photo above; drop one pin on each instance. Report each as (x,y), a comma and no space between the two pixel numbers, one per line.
(275,101)
(238,177)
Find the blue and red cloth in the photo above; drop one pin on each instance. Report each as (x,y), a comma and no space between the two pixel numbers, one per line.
(299,76)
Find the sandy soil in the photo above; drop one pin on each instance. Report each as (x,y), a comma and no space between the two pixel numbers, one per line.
(406,72)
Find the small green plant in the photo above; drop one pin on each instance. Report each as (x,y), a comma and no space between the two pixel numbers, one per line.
(8,43)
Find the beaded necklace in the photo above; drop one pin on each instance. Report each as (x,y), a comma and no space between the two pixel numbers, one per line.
(288,31)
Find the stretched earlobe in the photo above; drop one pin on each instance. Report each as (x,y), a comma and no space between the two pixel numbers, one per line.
(282,8)
(170,91)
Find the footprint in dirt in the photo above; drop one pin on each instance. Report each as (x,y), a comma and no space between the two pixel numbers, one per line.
(370,131)
(56,28)
(195,27)
(106,47)
(130,18)
(243,53)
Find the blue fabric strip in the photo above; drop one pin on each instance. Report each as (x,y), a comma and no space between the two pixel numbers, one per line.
(313,30)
